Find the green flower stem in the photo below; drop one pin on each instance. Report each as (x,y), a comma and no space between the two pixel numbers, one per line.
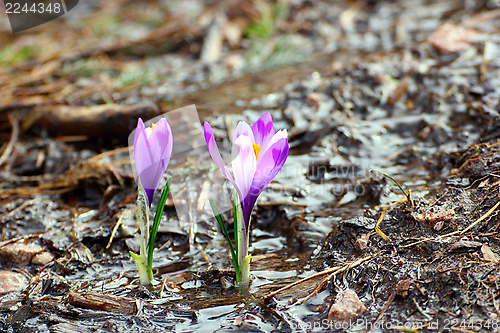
(242,241)
(144,259)
(142,268)
(245,274)
(143,222)
(239,253)
(241,233)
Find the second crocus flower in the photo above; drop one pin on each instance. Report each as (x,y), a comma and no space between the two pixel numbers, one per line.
(258,154)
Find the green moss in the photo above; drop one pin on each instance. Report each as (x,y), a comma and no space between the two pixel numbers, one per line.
(9,55)
(139,75)
(85,68)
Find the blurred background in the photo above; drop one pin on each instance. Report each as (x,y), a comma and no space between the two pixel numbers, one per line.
(119,57)
(411,88)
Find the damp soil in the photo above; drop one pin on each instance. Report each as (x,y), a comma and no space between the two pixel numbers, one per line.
(365,88)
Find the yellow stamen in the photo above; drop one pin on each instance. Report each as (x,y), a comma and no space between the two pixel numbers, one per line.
(153,126)
(256,149)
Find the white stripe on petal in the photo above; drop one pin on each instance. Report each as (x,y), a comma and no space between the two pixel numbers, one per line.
(243,129)
(244,164)
(215,154)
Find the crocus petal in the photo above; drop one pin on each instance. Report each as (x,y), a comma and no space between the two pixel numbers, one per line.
(151,154)
(270,164)
(244,164)
(214,152)
(263,130)
(161,141)
(282,134)
(144,160)
(243,129)
(140,143)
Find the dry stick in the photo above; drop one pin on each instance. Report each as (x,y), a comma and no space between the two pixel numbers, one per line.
(481,218)
(202,199)
(324,281)
(377,229)
(385,307)
(13,139)
(18,208)
(13,240)
(108,153)
(458,231)
(315,275)
(441,197)
(425,314)
(315,291)
(115,228)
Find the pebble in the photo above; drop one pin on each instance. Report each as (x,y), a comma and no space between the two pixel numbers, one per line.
(347,308)
(12,281)
(19,252)
(450,38)
(314,98)
(42,258)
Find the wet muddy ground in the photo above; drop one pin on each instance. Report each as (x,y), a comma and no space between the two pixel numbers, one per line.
(407,88)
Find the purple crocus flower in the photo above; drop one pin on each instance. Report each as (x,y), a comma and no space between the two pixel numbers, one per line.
(152,151)
(258,155)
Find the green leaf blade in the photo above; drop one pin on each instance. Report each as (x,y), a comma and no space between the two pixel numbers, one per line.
(156,224)
(226,235)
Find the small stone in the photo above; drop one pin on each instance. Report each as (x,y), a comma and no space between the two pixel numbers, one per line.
(362,242)
(403,287)
(238,321)
(234,61)
(19,252)
(450,38)
(361,221)
(347,308)
(336,66)
(226,284)
(42,258)
(314,98)
(489,255)
(12,281)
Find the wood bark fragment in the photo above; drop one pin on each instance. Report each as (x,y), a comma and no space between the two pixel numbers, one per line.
(102,302)
(106,120)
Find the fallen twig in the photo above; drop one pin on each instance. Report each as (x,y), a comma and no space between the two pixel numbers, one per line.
(315,291)
(377,229)
(115,228)
(13,139)
(425,314)
(481,218)
(385,307)
(340,268)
